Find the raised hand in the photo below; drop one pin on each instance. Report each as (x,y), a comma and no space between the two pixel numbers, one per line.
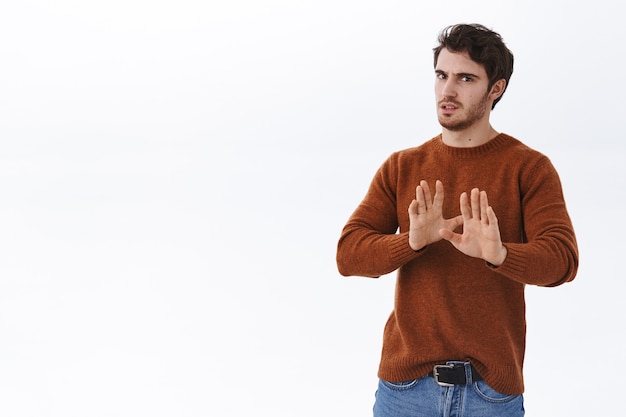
(481,234)
(426,217)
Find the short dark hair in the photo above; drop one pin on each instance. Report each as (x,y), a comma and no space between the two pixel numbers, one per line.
(484,46)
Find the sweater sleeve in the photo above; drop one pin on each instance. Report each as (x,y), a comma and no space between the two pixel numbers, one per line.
(369,244)
(548,255)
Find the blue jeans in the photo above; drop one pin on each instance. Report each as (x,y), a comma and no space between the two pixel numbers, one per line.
(423,397)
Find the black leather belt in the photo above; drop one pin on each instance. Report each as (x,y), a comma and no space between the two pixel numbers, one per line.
(451,375)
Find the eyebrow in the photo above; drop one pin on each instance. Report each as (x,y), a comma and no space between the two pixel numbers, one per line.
(460,74)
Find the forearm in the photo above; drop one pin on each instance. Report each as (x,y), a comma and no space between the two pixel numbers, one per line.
(368,253)
(547,255)
(545,262)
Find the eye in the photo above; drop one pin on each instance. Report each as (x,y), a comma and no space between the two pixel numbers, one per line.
(467,79)
(440,76)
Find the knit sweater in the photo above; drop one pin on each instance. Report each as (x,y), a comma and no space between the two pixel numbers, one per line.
(449,306)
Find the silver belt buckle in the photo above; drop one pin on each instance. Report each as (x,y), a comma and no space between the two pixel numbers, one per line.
(436,375)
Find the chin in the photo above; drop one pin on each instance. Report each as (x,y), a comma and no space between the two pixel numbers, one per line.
(453,126)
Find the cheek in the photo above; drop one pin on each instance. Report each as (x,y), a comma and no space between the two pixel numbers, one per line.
(438,89)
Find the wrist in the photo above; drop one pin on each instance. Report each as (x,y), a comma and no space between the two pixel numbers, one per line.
(499,260)
(418,249)
(416,246)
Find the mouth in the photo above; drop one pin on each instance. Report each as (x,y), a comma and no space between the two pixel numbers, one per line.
(448,107)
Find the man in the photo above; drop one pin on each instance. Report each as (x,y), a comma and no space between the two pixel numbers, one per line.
(454,344)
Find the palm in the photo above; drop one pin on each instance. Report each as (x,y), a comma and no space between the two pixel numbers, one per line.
(481,234)
(426,217)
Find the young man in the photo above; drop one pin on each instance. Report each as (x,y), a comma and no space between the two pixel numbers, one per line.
(454,343)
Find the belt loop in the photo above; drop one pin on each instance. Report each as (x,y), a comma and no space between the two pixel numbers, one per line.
(468,373)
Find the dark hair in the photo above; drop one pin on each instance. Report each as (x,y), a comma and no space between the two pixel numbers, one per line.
(484,46)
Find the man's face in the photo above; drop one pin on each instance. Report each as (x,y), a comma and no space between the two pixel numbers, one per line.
(460,90)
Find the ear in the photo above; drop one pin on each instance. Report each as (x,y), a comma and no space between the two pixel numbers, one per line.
(497,89)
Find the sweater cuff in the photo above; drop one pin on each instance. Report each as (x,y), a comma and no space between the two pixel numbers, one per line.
(400,250)
(514,264)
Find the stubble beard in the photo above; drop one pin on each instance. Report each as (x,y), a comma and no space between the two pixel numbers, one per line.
(473,114)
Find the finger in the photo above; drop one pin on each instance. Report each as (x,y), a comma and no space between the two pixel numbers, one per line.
(420,200)
(438,201)
(427,196)
(493,219)
(466,211)
(419,192)
(475,201)
(453,223)
(450,235)
(413,208)
(484,204)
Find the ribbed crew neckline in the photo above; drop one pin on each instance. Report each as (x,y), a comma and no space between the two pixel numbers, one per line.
(484,149)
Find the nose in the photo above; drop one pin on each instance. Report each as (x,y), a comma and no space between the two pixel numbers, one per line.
(447,89)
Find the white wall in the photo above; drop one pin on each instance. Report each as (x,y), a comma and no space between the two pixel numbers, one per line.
(174,177)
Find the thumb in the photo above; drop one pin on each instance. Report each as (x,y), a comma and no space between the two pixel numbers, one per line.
(447,231)
(413,208)
(449,235)
(456,222)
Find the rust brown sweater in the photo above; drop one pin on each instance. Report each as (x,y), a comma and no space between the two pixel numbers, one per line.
(449,306)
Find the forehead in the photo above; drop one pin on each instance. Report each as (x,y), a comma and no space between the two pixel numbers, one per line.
(459,63)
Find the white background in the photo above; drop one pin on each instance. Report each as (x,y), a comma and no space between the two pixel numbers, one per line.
(174,176)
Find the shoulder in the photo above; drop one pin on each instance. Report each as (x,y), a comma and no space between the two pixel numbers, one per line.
(524,154)
(406,163)
(410,155)
(533,166)
(515,145)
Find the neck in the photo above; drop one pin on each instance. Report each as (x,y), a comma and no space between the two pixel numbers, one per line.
(469,138)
